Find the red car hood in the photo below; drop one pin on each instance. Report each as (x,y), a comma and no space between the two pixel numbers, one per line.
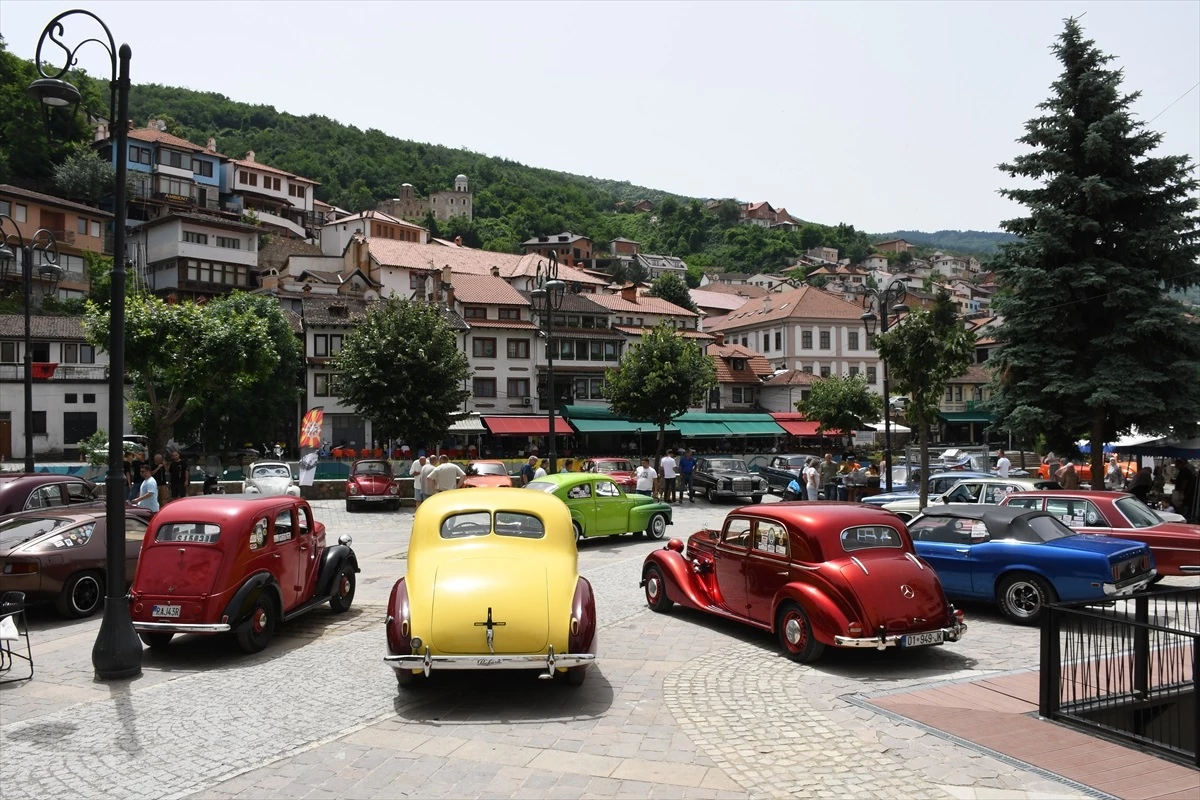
(883,585)
(487,480)
(371,484)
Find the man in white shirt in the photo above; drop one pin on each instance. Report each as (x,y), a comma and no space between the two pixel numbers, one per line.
(418,487)
(1003,465)
(811,476)
(148,494)
(646,475)
(428,488)
(539,472)
(447,475)
(668,473)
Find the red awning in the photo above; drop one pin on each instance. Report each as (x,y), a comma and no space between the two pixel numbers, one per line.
(798,428)
(526,426)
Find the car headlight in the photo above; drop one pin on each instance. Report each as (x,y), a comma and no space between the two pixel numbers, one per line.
(727,482)
(352,488)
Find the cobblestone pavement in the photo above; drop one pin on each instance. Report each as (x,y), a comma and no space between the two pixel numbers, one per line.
(679,705)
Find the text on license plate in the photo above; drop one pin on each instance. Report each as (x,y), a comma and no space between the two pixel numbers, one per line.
(374,497)
(165,611)
(920,639)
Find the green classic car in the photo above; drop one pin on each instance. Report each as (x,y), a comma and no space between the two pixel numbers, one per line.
(599,507)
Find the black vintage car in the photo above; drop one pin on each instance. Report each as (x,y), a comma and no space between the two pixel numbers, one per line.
(727,477)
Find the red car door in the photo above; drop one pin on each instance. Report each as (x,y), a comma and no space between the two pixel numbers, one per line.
(729,565)
(289,558)
(312,545)
(766,569)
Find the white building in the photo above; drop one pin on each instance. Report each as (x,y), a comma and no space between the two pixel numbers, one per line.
(279,199)
(335,236)
(195,255)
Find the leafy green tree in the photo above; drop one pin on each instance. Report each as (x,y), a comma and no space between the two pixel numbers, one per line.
(85,176)
(841,403)
(905,258)
(1092,344)
(695,273)
(810,236)
(635,272)
(182,355)
(729,212)
(670,287)
(401,368)
(660,378)
(923,352)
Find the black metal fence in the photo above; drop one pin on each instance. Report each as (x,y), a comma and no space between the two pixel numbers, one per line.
(1130,671)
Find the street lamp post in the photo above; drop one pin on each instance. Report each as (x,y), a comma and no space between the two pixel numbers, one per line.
(880,305)
(117,652)
(44,246)
(547,292)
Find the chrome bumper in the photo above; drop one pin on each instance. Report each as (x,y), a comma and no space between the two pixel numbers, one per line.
(1126,588)
(426,662)
(949,634)
(179,627)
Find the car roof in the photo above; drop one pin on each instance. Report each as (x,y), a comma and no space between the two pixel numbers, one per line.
(227,506)
(570,478)
(815,516)
(1001,515)
(272,463)
(13,478)
(1073,493)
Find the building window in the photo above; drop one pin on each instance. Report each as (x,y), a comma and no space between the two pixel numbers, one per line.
(8,352)
(871,375)
(271,183)
(415,281)
(89,398)
(195,238)
(852,343)
(738,364)
(81,226)
(824,372)
(175,187)
(518,387)
(78,425)
(94,227)
(173,158)
(949,394)
(778,340)
(806,340)
(766,342)
(743,395)
(958,393)
(230,242)
(484,348)
(335,343)
(597,350)
(320,345)
(321,384)
(474,312)
(483,387)
(248,178)
(510,313)
(138,154)
(854,372)
(518,348)
(39,422)
(597,388)
(78,353)
(70,398)
(581,388)
(807,370)
(824,340)
(202,168)
(610,351)
(40,352)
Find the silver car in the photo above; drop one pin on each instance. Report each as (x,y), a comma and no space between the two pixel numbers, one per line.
(270,478)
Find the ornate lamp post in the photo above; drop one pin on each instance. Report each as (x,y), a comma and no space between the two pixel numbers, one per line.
(547,292)
(44,246)
(118,651)
(881,304)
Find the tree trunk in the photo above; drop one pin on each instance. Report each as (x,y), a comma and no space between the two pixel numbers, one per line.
(662,440)
(1098,420)
(923,428)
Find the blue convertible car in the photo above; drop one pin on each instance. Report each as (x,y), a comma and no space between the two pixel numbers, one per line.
(1024,559)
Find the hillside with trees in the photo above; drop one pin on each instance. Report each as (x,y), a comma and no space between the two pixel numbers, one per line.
(979,243)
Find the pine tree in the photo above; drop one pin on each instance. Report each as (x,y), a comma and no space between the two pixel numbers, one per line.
(1092,344)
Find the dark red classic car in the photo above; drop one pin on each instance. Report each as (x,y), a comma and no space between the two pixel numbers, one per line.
(1175,545)
(26,491)
(236,563)
(371,484)
(815,574)
(621,470)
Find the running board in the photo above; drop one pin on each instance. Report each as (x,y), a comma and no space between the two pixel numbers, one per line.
(309,606)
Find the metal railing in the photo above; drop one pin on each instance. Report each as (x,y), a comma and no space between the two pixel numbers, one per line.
(1129,672)
(61,372)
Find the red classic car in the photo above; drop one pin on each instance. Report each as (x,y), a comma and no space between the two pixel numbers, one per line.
(814,574)
(621,470)
(1175,545)
(487,473)
(371,484)
(26,491)
(240,563)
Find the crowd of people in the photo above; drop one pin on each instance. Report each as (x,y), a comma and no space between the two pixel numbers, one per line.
(146,480)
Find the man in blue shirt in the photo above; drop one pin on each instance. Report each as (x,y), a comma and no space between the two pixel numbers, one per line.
(148,494)
(687,465)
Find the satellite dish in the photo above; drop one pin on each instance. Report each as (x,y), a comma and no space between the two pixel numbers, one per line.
(370,294)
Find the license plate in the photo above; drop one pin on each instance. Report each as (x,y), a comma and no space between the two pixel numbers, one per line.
(374,497)
(921,639)
(165,611)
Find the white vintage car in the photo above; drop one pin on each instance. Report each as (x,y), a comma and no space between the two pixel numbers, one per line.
(269,478)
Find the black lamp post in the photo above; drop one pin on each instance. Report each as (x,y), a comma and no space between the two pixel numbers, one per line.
(118,651)
(45,247)
(881,304)
(547,292)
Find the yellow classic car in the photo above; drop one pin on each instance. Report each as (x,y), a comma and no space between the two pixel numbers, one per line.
(492,583)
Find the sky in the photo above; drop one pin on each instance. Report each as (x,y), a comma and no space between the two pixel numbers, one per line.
(884,115)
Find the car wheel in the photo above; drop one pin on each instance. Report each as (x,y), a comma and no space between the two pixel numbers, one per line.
(711,494)
(157,641)
(657,527)
(343,589)
(406,678)
(796,634)
(1023,598)
(574,676)
(349,508)
(82,596)
(756,498)
(656,590)
(255,633)
(578,532)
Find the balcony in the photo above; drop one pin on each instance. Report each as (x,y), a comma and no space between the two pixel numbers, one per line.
(68,373)
(960,405)
(267,218)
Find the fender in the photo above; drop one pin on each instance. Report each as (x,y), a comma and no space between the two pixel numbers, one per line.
(332,561)
(399,621)
(826,615)
(238,609)
(680,581)
(582,637)
(577,518)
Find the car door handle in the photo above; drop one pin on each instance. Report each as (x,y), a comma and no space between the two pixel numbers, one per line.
(275,555)
(785,572)
(303,547)
(963,550)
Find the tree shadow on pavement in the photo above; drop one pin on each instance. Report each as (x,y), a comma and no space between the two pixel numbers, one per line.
(508,697)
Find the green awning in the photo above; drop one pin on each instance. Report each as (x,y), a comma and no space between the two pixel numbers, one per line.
(965,417)
(601,419)
(699,430)
(604,426)
(770,428)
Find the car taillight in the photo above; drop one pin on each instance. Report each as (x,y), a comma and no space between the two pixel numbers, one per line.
(20,568)
(1145,563)
(1116,572)
(352,488)
(855,629)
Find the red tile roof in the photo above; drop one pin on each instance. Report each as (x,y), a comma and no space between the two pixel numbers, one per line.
(720,300)
(723,356)
(467,260)
(485,290)
(645,304)
(50,200)
(156,136)
(510,324)
(806,302)
(634,330)
(793,377)
(241,162)
(976,373)
(375,215)
(743,289)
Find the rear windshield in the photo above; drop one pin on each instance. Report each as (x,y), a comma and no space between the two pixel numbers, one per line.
(20,530)
(614,466)
(481,523)
(189,532)
(543,486)
(1138,513)
(868,537)
(488,469)
(1046,527)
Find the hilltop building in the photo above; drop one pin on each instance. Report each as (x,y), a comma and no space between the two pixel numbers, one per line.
(455,202)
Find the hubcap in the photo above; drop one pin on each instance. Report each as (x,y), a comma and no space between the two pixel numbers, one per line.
(652,587)
(86,593)
(344,589)
(1024,599)
(794,631)
(260,621)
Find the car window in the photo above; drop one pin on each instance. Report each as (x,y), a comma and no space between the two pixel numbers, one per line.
(581,491)
(488,469)
(1044,527)
(607,489)
(1076,512)
(68,539)
(305,519)
(941,485)
(867,537)
(614,466)
(472,523)
(370,468)
(995,492)
(728,465)
(258,534)
(189,532)
(519,524)
(271,471)
(18,530)
(770,537)
(737,532)
(135,529)
(78,492)
(45,497)
(284,527)
(543,486)
(1138,514)
(935,529)
(965,493)
(1025,502)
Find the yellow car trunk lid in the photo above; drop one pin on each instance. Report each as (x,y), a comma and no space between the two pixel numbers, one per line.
(515,592)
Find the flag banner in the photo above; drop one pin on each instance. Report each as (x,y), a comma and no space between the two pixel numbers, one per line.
(310,443)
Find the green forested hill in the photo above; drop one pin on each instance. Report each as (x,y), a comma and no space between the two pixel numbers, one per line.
(973,242)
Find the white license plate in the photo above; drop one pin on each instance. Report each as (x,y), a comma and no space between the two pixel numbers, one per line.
(165,611)
(921,639)
(374,497)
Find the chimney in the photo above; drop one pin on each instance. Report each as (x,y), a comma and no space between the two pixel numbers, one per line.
(458,241)
(766,304)
(495,271)
(720,339)
(101,132)
(250,156)
(130,124)
(212,145)
(629,293)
